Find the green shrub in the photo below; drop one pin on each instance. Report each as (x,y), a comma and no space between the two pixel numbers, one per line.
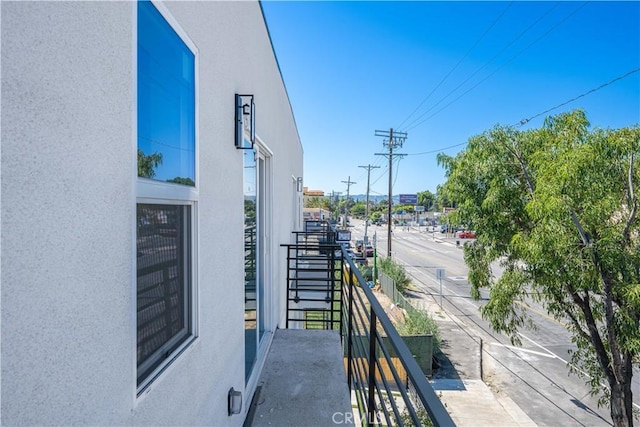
(395,272)
(367,272)
(419,322)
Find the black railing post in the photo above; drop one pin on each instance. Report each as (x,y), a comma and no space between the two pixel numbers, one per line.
(341,317)
(373,394)
(371,405)
(333,293)
(288,281)
(349,329)
(331,274)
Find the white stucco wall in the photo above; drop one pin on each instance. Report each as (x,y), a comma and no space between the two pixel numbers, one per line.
(68,212)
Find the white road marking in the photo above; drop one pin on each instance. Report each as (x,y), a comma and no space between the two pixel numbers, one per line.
(566,362)
(538,353)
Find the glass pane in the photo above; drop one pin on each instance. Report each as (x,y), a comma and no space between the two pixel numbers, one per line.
(164,282)
(250,260)
(166,101)
(261,249)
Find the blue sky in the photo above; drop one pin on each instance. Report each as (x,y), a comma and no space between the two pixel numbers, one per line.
(443,72)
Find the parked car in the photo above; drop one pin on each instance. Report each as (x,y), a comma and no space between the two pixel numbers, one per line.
(447,228)
(369,251)
(450,228)
(467,235)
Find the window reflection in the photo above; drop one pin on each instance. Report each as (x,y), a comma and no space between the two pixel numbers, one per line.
(250,259)
(166,101)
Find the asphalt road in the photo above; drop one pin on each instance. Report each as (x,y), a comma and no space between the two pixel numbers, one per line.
(534,375)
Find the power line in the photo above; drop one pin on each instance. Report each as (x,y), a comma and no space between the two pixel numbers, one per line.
(391,142)
(397,170)
(366,216)
(382,174)
(485,64)
(437,150)
(376,163)
(627,74)
(518,37)
(459,62)
(346,205)
(527,120)
(502,66)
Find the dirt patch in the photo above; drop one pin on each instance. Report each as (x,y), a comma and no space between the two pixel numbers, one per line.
(395,313)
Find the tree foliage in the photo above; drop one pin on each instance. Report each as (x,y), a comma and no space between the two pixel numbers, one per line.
(147,164)
(183,181)
(358,209)
(427,199)
(395,272)
(318,202)
(558,207)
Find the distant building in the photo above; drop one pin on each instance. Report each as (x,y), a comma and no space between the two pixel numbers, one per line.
(312,193)
(309,194)
(315,214)
(142,273)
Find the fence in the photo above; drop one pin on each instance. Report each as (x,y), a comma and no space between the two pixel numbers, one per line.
(387,384)
(389,288)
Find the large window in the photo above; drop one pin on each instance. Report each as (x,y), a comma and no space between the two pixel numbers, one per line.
(166,226)
(164,282)
(166,101)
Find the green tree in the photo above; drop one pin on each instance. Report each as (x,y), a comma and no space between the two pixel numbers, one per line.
(558,205)
(147,164)
(183,181)
(442,199)
(317,202)
(404,208)
(395,272)
(427,199)
(359,209)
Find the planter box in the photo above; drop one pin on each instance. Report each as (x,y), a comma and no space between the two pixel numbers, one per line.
(421,346)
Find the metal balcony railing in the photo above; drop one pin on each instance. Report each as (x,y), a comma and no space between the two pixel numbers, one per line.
(327,291)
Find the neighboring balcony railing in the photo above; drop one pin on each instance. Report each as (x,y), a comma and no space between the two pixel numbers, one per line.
(327,291)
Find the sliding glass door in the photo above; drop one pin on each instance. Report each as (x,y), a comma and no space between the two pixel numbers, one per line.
(256,263)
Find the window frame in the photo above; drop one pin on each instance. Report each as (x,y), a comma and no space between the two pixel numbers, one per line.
(155,192)
(187,259)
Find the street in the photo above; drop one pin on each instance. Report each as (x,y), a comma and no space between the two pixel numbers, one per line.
(535,374)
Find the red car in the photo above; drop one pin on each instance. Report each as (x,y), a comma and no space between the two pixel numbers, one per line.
(467,235)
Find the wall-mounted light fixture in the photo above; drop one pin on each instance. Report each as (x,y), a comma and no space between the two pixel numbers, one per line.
(245,122)
(234,401)
(299,184)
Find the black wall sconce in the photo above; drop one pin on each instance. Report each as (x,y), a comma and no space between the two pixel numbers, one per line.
(234,401)
(245,122)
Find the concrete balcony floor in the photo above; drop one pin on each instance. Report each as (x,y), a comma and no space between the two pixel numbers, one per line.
(303,381)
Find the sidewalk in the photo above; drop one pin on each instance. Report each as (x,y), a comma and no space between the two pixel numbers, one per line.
(459,380)
(471,403)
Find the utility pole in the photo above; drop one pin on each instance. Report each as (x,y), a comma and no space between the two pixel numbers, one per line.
(346,205)
(336,200)
(392,141)
(366,215)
